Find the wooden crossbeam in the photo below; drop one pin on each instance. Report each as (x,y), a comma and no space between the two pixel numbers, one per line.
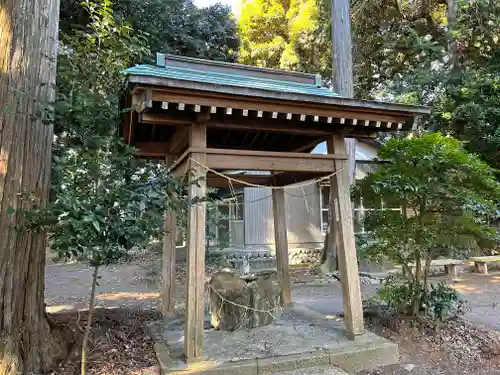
(222,159)
(220,182)
(290,178)
(152,149)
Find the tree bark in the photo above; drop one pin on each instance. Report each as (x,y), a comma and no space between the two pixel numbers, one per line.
(28,52)
(89,322)
(343,84)
(452,44)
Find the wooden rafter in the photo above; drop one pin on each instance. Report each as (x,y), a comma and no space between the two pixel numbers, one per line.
(273,105)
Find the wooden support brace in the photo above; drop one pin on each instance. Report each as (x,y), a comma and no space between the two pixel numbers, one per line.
(281,240)
(346,248)
(195,283)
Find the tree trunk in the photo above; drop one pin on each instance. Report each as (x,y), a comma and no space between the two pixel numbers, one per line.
(89,322)
(28,51)
(452,44)
(343,84)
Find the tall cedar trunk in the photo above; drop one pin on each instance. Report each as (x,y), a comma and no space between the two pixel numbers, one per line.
(343,83)
(28,51)
(89,322)
(452,44)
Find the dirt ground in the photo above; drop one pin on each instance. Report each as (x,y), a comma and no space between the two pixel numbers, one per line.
(133,286)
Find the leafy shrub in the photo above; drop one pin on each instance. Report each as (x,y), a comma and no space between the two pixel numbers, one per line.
(398,296)
(447,198)
(438,302)
(441,302)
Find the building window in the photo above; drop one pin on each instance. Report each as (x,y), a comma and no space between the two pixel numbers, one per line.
(237,204)
(360,209)
(324,199)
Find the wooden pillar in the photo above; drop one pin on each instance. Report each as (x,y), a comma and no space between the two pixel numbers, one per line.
(342,213)
(169,259)
(195,282)
(281,241)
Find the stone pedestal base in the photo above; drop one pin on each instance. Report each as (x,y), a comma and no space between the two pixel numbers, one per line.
(244,302)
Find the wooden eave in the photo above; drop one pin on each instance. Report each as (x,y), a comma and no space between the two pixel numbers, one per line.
(287,120)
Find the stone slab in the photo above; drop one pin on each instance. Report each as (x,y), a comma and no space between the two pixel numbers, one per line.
(485,259)
(365,353)
(323,370)
(272,365)
(301,338)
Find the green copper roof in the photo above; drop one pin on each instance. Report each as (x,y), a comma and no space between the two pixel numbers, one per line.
(225,79)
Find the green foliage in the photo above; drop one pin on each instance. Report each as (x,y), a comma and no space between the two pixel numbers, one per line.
(104,200)
(399,296)
(442,301)
(438,302)
(447,197)
(425,52)
(416,52)
(283,34)
(470,109)
(172,26)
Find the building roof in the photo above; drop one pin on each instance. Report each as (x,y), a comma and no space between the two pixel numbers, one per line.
(226,79)
(245,108)
(243,80)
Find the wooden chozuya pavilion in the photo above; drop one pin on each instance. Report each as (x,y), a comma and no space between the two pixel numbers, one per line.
(206,116)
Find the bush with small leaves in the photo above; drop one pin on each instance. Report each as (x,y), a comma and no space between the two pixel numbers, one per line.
(446,196)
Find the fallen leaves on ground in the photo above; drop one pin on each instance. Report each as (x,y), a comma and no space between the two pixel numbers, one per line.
(458,347)
(120,342)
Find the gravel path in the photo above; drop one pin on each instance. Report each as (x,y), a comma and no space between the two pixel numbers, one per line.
(132,285)
(67,286)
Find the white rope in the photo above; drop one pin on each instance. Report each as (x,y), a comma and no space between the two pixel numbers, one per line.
(232,179)
(277,305)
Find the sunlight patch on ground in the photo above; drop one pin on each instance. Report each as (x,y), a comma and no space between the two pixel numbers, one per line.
(333,317)
(466,288)
(59,308)
(495,279)
(146,371)
(127,295)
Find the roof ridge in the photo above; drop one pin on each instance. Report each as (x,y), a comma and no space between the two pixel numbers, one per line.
(232,76)
(198,60)
(225,79)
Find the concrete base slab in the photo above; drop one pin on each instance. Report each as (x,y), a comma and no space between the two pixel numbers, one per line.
(329,370)
(299,339)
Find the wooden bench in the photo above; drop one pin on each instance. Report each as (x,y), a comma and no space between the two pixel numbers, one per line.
(481,263)
(450,266)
